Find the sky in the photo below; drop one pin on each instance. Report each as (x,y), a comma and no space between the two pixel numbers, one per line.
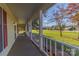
(49,12)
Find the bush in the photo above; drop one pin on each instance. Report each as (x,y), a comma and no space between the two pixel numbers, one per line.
(72,28)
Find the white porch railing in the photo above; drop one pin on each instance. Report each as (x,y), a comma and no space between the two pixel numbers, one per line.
(52,47)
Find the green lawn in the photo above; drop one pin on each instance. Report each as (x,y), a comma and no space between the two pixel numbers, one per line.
(68,37)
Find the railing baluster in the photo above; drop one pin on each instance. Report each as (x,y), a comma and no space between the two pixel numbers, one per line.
(73,51)
(43,43)
(46,46)
(62,46)
(50,48)
(55,48)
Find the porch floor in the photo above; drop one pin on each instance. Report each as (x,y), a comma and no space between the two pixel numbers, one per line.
(23,46)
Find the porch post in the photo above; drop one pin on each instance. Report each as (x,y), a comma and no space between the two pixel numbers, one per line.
(16,30)
(30,29)
(26,28)
(41,31)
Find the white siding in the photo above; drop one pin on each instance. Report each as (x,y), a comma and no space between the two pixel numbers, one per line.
(11,36)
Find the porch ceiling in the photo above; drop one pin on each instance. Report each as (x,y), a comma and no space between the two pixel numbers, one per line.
(24,11)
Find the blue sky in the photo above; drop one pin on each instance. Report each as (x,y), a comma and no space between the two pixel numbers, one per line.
(49,16)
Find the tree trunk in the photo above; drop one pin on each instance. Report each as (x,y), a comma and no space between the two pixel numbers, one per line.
(60,28)
(60,31)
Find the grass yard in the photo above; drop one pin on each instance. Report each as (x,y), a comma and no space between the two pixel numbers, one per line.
(68,37)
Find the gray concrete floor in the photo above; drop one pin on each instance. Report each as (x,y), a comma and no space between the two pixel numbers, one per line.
(23,46)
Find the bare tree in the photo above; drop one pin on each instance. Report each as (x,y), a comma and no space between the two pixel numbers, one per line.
(59,15)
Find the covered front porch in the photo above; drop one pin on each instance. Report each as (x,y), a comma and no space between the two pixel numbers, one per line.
(26,33)
(47,44)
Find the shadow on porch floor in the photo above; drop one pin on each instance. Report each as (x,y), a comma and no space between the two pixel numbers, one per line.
(23,46)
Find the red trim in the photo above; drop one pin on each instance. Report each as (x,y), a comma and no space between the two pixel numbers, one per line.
(5,28)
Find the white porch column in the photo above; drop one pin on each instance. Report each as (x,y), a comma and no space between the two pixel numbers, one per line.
(30,29)
(41,31)
(16,30)
(26,28)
